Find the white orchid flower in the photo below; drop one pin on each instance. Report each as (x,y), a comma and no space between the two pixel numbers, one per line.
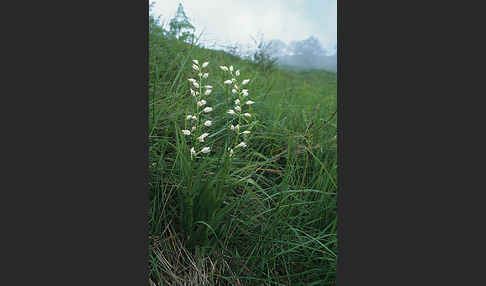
(206,150)
(242,144)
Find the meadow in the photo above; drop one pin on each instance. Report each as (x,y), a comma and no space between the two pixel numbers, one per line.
(265,215)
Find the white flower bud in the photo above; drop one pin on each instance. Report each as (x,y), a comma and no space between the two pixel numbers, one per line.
(206,150)
(231,111)
(201,103)
(201,138)
(231,152)
(242,144)
(227,81)
(205,64)
(186,132)
(208,86)
(232,127)
(193,152)
(246,132)
(249,102)
(193,93)
(245,81)
(247,114)
(189,117)
(237,72)
(231,68)
(207,109)
(223,68)
(237,127)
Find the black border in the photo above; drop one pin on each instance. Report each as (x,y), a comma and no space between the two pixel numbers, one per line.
(78,166)
(80,154)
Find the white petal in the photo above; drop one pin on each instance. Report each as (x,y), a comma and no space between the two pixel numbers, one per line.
(206,150)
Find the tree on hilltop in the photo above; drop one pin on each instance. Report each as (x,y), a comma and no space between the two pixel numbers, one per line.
(180,27)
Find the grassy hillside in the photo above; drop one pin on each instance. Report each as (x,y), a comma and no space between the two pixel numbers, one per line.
(267,214)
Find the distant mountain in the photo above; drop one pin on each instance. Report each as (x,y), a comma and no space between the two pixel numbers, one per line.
(305,62)
(305,54)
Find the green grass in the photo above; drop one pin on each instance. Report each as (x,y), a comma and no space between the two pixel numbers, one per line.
(277,222)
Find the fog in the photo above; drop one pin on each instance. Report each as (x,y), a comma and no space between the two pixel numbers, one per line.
(298,33)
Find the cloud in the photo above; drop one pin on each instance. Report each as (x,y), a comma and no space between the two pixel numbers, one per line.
(233,21)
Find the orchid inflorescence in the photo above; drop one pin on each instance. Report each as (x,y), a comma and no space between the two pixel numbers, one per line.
(241,102)
(199,119)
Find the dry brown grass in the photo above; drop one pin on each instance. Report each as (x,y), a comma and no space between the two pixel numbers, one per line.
(179,267)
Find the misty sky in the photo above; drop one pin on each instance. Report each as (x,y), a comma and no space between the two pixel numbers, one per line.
(231,21)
